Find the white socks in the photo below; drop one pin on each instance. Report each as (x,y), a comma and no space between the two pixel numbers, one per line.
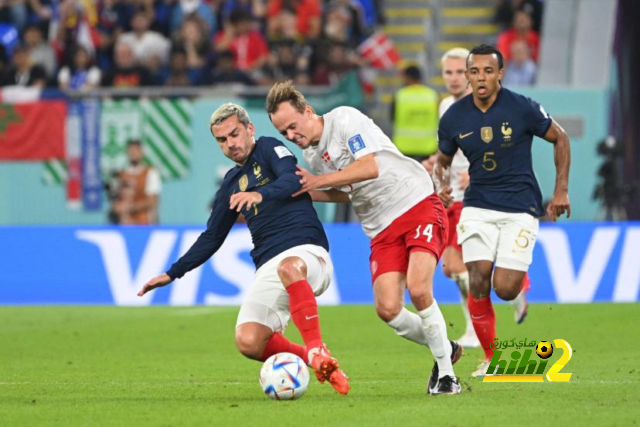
(409,325)
(436,334)
(462,280)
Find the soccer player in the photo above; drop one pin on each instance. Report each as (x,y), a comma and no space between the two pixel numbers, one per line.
(494,128)
(290,253)
(454,66)
(394,199)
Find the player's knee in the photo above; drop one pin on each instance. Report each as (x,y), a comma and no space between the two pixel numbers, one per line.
(387,312)
(479,284)
(508,291)
(421,296)
(291,270)
(249,343)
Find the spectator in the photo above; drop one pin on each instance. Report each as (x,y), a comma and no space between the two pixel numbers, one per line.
(13,13)
(193,38)
(521,30)
(345,21)
(226,71)
(40,52)
(113,18)
(256,8)
(146,44)
(40,12)
(287,61)
(126,73)
(247,44)
(505,10)
(414,113)
(179,73)
(335,59)
(82,74)
(137,190)
(307,14)
(22,72)
(201,9)
(521,70)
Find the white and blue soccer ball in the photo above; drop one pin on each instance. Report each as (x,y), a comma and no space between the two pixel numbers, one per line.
(284,376)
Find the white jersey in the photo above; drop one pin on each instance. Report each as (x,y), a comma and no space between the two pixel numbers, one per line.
(401,184)
(460,164)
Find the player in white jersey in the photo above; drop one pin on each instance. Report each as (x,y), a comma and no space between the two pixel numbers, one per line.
(454,65)
(394,199)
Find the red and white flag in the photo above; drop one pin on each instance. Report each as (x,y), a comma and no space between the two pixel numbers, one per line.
(379,51)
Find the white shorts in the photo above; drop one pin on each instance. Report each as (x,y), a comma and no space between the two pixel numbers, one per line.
(267,302)
(506,239)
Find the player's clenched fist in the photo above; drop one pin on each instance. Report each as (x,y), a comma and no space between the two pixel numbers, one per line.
(156,282)
(446,196)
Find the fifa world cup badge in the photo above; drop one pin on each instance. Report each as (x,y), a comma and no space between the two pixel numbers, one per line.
(487,134)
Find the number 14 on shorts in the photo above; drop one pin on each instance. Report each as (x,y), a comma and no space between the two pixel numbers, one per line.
(428,231)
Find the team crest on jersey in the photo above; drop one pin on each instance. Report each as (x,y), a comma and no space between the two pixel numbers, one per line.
(326,157)
(356,144)
(257,170)
(506,132)
(486,133)
(243,183)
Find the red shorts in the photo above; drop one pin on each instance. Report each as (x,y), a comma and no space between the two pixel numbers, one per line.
(453,213)
(423,228)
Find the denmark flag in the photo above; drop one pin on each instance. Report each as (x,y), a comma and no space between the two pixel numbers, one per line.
(379,51)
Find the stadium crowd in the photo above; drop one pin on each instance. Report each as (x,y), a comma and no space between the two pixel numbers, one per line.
(81,44)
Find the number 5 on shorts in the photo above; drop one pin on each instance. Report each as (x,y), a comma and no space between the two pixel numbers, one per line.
(428,231)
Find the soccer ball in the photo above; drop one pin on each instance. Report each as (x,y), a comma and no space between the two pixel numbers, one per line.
(544,349)
(284,376)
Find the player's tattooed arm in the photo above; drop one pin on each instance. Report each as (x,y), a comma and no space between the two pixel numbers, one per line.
(442,178)
(562,157)
(331,195)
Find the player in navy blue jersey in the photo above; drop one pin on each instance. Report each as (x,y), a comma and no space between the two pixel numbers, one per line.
(494,127)
(290,246)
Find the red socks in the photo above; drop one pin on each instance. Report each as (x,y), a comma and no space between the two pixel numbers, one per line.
(279,344)
(304,311)
(484,322)
(526,283)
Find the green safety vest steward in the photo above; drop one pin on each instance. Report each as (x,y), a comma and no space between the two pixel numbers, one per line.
(415,130)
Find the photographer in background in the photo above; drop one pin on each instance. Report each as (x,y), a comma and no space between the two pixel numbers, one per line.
(135,192)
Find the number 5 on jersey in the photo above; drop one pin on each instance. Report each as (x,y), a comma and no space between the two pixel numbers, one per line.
(428,231)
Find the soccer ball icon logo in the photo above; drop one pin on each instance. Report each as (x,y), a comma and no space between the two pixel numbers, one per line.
(544,349)
(284,376)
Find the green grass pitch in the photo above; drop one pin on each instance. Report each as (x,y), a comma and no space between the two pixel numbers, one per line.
(162,366)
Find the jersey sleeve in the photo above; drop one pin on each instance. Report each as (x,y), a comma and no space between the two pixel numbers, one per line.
(218,226)
(539,120)
(357,131)
(447,143)
(283,164)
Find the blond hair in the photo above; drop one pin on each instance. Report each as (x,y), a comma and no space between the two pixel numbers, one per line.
(285,92)
(227,110)
(456,52)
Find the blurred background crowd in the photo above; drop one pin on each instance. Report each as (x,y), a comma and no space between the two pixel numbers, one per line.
(83,44)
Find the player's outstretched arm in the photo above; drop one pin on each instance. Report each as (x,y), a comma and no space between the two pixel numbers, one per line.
(156,282)
(562,156)
(442,178)
(331,196)
(363,169)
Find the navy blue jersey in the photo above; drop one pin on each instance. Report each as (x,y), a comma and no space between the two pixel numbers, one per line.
(498,146)
(279,223)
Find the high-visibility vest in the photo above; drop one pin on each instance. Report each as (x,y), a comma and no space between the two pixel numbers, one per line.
(415,130)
